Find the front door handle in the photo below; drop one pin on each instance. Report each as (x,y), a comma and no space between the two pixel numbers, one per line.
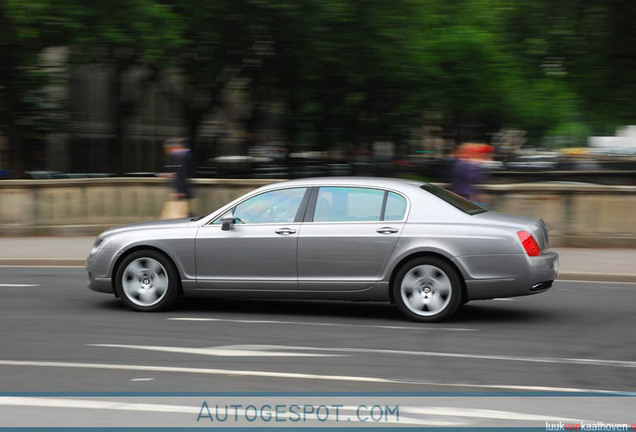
(285,231)
(387,230)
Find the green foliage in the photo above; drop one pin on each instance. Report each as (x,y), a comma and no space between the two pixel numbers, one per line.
(345,70)
(569,134)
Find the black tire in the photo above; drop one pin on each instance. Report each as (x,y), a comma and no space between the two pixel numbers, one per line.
(427,289)
(147,281)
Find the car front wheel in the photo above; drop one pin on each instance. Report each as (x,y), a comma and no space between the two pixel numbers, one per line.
(427,289)
(147,281)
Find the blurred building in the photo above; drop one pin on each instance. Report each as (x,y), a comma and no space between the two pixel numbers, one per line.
(147,112)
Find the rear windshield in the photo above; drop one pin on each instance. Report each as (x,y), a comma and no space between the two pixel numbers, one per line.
(455,200)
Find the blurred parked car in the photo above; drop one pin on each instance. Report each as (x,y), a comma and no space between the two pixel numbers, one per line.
(47,175)
(533,162)
(492,164)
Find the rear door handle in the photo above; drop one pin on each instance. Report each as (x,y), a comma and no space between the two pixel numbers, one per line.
(285,231)
(387,230)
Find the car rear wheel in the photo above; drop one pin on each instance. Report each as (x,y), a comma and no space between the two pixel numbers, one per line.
(147,281)
(427,289)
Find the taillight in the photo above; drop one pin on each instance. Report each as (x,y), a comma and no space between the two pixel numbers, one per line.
(529,243)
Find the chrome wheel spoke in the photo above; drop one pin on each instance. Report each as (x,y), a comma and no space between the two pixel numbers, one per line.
(435,303)
(147,296)
(154,267)
(132,288)
(443,286)
(161,284)
(417,301)
(427,272)
(135,269)
(410,283)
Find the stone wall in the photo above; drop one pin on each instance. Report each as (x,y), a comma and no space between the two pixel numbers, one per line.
(578,215)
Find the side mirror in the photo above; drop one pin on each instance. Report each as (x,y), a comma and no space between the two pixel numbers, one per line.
(227,222)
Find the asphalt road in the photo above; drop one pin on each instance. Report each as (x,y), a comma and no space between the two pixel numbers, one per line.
(57,336)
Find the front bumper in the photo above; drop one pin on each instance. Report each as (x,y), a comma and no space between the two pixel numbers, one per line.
(96,275)
(103,285)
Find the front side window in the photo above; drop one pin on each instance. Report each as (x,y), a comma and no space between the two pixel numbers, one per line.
(348,204)
(278,206)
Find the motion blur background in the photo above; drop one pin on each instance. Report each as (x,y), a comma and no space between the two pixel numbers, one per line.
(269,89)
(306,87)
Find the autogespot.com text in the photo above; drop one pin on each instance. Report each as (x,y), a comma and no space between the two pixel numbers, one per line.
(297,413)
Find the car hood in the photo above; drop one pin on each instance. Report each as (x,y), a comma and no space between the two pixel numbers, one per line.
(169,223)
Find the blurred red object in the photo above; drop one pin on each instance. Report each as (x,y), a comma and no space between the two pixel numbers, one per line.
(474,151)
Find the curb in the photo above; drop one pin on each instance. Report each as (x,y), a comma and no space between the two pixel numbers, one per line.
(596,277)
(43,262)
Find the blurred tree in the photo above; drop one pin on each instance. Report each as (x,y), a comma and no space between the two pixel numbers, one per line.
(126,36)
(576,62)
(346,71)
(223,45)
(26,29)
(119,33)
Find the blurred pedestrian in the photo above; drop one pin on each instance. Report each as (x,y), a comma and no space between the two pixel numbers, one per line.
(180,167)
(467,172)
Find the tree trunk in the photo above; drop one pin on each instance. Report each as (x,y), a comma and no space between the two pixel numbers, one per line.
(194,122)
(117,116)
(17,149)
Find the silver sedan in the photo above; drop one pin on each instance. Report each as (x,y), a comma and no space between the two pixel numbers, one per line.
(414,244)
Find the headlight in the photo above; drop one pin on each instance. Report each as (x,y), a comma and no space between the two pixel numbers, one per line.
(98,243)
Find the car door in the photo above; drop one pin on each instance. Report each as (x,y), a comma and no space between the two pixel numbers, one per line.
(259,251)
(348,236)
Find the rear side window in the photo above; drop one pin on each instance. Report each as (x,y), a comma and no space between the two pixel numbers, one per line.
(348,204)
(455,200)
(358,204)
(395,207)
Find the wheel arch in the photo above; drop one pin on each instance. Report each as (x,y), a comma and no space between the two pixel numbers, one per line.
(423,254)
(127,252)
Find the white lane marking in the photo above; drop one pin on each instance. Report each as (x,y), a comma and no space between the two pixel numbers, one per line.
(141,379)
(279,375)
(594,282)
(284,351)
(391,327)
(559,360)
(94,404)
(19,285)
(182,409)
(217,351)
(481,413)
(39,266)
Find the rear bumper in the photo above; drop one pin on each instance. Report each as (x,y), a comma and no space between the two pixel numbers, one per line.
(508,275)
(543,268)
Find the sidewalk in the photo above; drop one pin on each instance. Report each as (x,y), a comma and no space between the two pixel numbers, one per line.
(607,265)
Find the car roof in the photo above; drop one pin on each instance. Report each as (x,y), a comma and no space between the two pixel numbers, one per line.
(347,181)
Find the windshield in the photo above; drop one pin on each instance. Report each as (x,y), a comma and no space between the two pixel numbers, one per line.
(455,200)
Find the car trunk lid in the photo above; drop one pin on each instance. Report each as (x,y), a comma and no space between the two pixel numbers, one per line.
(536,227)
